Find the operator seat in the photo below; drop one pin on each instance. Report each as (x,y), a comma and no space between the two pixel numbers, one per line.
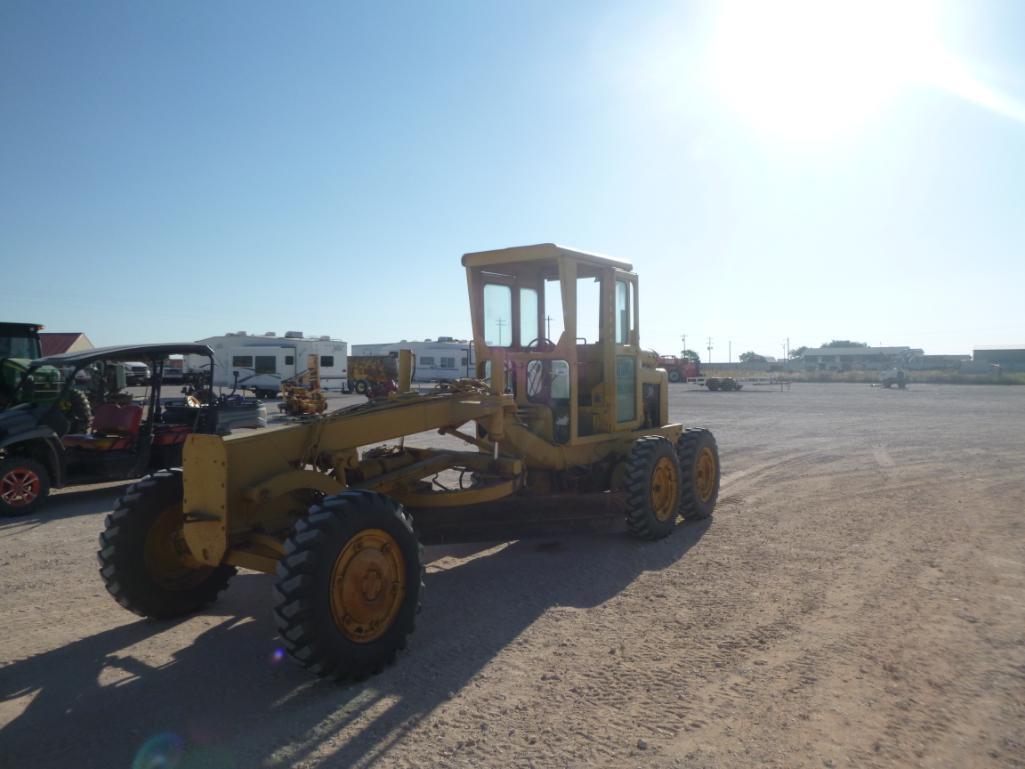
(114,427)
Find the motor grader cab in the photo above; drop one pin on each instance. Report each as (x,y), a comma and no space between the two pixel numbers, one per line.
(590,383)
(568,413)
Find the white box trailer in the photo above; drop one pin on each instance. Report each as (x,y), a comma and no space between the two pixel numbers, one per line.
(444,358)
(261,362)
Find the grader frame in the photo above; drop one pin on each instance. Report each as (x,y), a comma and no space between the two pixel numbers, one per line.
(555,421)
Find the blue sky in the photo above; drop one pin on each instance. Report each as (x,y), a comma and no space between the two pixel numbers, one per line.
(174,171)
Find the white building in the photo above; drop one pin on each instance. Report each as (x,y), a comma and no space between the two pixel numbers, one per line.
(443,358)
(261,362)
(858,358)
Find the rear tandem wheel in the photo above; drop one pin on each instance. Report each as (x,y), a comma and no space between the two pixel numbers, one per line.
(699,465)
(653,484)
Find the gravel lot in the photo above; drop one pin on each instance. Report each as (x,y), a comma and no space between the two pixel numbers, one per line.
(857,601)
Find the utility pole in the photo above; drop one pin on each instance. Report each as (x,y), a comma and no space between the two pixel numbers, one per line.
(499,323)
(729,357)
(684,338)
(548,320)
(709,348)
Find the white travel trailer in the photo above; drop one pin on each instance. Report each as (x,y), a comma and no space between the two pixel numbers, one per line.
(444,358)
(261,362)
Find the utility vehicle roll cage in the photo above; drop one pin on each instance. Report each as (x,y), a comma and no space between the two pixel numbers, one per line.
(154,355)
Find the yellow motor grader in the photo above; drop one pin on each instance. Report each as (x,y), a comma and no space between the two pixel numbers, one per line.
(548,428)
(301,395)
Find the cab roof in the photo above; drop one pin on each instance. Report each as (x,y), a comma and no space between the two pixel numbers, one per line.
(538,253)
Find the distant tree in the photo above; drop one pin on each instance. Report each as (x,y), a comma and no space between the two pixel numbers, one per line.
(845,343)
(751,357)
(691,356)
(798,352)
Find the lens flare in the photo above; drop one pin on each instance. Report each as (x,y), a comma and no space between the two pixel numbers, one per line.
(163,751)
(277,656)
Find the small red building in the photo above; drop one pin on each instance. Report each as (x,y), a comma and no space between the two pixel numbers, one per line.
(57,343)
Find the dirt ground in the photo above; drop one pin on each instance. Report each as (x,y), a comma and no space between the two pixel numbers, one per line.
(858,600)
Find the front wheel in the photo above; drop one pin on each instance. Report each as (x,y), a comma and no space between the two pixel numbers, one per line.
(349,585)
(144,560)
(362,386)
(24,484)
(674,375)
(699,465)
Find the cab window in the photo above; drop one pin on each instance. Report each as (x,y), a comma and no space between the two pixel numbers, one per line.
(624,312)
(498,331)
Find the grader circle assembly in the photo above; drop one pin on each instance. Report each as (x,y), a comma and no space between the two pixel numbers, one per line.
(556,430)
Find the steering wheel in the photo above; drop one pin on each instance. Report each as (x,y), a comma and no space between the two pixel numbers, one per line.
(541,344)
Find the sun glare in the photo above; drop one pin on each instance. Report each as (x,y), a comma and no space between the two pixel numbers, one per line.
(810,69)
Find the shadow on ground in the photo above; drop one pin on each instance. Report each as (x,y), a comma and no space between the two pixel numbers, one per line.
(227,702)
(81,500)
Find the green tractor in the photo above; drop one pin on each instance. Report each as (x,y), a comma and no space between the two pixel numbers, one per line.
(19,345)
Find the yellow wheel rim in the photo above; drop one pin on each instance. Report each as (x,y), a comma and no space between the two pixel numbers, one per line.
(167,557)
(368,584)
(664,489)
(707,474)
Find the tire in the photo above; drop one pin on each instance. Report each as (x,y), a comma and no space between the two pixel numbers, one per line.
(652,483)
(141,556)
(324,575)
(362,387)
(80,412)
(674,375)
(699,466)
(24,484)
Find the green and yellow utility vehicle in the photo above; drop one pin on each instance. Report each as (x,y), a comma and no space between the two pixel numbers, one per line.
(19,346)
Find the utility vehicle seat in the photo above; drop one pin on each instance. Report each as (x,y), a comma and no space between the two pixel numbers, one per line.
(114,427)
